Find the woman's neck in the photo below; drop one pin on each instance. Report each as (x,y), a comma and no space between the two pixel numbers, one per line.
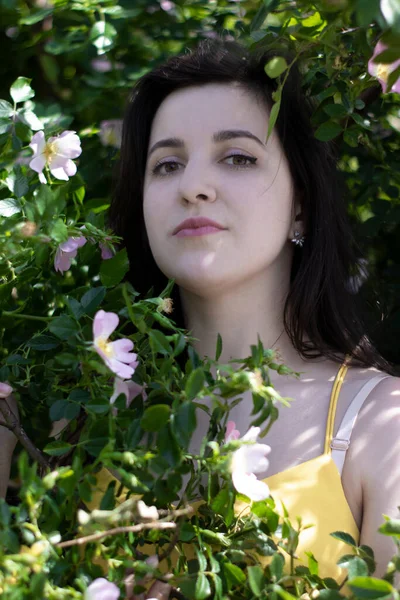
(240,316)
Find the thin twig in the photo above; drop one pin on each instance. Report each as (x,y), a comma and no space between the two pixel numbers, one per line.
(12,423)
(128,529)
(180,512)
(171,544)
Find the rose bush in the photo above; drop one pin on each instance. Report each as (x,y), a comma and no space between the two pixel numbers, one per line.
(63,294)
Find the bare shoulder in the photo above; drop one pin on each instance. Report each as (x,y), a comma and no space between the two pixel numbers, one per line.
(380,412)
(375,441)
(373,460)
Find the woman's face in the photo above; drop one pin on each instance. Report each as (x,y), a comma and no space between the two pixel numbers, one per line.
(249,195)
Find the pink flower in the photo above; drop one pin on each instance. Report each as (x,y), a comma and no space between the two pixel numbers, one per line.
(106,251)
(111,132)
(102,589)
(131,389)
(167,5)
(117,355)
(381,70)
(66,252)
(5,390)
(56,153)
(248,460)
(231,432)
(102,65)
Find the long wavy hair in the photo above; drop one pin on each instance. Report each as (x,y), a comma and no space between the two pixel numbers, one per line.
(320,304)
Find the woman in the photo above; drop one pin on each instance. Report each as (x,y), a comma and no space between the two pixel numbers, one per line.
(276,262)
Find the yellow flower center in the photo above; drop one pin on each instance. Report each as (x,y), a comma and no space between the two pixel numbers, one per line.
(105,346)
(111,137)
(50,150)
(383,72)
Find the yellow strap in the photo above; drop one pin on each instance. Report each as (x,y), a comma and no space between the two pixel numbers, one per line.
(332,406)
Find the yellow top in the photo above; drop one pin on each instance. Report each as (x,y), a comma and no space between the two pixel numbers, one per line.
(311,490)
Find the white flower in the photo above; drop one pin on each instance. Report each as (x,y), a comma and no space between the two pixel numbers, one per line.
(117,355)
(246,462)
(130,389)
(56,153)
(102,589)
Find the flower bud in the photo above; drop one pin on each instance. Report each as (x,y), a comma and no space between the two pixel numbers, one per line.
(28,229)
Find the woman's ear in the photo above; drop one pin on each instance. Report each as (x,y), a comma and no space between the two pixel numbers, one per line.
(298,217)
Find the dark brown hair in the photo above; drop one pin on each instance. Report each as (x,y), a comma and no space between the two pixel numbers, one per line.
(320,303)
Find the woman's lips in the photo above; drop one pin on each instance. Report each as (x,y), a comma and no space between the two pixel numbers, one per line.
(192,232)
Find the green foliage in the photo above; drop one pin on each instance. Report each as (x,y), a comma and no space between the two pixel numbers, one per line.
(74,62)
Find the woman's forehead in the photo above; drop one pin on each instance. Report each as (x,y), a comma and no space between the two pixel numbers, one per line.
(199,112)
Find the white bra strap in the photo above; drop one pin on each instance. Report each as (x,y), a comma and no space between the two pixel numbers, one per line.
(341,441)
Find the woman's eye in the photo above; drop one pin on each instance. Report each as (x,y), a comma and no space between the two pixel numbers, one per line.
(251,161)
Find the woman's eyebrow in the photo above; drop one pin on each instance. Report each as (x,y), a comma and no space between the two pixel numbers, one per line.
(219,136)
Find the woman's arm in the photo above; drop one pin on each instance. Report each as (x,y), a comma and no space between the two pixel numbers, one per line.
(377,453)
(7,444)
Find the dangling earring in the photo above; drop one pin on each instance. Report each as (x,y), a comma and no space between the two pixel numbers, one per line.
(299,241)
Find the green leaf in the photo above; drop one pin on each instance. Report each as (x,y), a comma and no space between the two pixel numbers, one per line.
(265,7)
(273,116)
(283,593)
(357,568)
(92,299)
(312,563)
(351,136)
(63,327)
(57,448)
(158,342)
(43,342)
(367,11)
(221,501)
(6,109)
(216,537)
(330,595)
(344,537)
(36,17)
(256,579)
(21,90)
(57,409)
(195,383)
(155,417)
(335,110)
(328,131)
(234,575)
(184,422)
(168,446)
(5,125)
(203,588)
(370,587)
(37,584)
(58,231)
(9,207)
(202,560)
(219,347)
(275,67)
(391,527)
(113,270)
(276,566)
(5,513)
